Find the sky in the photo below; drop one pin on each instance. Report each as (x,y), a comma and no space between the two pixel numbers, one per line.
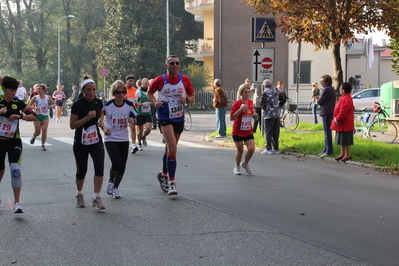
(378,37)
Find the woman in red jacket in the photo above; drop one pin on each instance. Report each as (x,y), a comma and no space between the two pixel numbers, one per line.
(344,122)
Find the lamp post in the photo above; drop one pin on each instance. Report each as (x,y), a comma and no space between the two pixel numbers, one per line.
(59,48)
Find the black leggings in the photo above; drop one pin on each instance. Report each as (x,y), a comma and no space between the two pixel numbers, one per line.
(81,153)
(118,153)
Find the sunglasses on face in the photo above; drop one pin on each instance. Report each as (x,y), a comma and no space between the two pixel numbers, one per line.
(174,63)
(120,92)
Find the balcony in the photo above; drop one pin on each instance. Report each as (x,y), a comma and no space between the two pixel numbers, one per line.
(355,48)
(197,7)
(200,48)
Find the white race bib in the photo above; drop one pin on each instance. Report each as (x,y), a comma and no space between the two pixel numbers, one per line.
(175,109)
(7,127)
(90,135)
(145,108)
(246,123)
(119,121)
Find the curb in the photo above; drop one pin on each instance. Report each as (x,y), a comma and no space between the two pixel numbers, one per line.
(224,142)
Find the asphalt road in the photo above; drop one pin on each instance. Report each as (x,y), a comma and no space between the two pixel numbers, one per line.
(293,210)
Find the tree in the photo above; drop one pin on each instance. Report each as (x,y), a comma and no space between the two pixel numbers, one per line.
(329,23)
(199,75)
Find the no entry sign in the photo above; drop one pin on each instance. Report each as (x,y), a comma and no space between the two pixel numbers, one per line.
(104,72)
(262,64)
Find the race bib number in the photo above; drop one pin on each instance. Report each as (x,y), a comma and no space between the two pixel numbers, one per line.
(175,109)
(90,135)
(7,127)
(58,97)
(119,121)
(145,108)
(43,109)
(246,123)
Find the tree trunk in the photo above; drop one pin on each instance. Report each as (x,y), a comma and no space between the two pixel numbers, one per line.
(338,77)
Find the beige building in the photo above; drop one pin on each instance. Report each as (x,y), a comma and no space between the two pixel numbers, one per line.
(226,46)
(226,49)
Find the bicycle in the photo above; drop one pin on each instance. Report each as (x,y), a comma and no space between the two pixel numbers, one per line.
(380,128)
(361,123)
(187,118)
(290,119)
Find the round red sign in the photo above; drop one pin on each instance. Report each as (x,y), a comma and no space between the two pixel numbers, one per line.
(104,72)
(267,63)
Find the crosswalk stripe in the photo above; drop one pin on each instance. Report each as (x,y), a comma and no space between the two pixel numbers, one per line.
(38,143)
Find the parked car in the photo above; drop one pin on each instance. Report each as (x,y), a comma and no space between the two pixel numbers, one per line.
(366,98)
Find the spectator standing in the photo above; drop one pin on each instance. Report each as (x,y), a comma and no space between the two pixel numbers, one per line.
(313,101)
(327,104)
(174,90)
(344,122)
(220,103)
(75,94)
(257,94)
(271,115)
(242,113)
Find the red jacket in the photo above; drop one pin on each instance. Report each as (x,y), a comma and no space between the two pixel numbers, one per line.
(344,114)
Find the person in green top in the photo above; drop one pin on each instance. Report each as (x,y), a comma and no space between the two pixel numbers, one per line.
(144,114)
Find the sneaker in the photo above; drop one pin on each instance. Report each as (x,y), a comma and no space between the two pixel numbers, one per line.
(246,167)
(44,148)
(134,148)
(144,141)
(163,141)
(266,151)
(32,141)
(98,204)
(140,147)
(320,153)
(324,155)
(110,187)
(162,182)
(80,203)
(236,170)
(276,151)
(17,208)
(116,194)
(172,188)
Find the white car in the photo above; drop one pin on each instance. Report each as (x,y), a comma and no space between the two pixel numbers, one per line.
(366,98)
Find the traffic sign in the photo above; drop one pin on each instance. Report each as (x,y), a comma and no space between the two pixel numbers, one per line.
(104,72)
(262,64)
(263,30)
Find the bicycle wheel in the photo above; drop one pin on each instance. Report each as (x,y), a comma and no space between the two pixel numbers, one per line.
(384,131)
(290,120)
(187,120)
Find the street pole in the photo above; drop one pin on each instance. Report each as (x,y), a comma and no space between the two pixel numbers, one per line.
(59,49)
(167,28)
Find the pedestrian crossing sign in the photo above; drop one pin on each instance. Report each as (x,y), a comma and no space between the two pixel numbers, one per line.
(263,30)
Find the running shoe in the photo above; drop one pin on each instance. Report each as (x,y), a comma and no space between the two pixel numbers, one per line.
(32,141)
(134,148)
(236,170)
(172,189)
(162,182)
(246,167)
(17,208)
(98,204)
(80,203)
(116,194)
(110,187)
(140,147)
(144,141)
(266,151)
(276,151)
(44,148)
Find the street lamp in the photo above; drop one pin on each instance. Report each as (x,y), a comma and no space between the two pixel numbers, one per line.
(59,48)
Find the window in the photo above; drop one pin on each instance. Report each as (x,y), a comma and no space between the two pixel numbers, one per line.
(305,72)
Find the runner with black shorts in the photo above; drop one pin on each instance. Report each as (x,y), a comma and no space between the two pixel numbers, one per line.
(174,90)
(85,114)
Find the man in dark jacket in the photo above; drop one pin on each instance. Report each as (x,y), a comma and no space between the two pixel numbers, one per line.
(327,104)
